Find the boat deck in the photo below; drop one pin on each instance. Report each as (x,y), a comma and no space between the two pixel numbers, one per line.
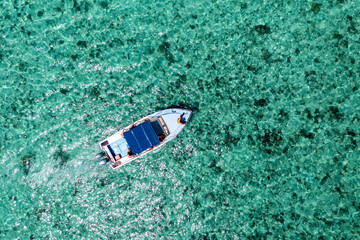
(120,147)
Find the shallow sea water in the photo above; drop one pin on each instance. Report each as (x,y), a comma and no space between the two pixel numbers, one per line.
(271,151)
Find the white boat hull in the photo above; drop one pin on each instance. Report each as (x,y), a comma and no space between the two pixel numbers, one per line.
(168,120)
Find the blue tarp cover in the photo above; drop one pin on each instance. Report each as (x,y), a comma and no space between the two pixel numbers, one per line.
(141,138)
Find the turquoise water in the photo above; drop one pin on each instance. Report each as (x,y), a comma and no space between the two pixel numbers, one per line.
(271,151)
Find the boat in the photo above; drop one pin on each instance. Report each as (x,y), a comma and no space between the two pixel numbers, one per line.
(146,135)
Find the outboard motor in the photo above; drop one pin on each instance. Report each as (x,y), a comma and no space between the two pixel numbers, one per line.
(104,161)
(100,155)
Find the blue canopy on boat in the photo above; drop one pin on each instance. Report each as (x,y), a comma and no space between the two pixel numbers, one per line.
(141,138)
